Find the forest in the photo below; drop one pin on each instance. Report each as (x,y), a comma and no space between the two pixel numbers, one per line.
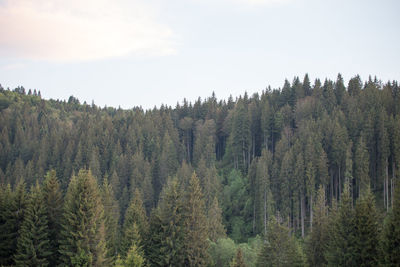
(303,175)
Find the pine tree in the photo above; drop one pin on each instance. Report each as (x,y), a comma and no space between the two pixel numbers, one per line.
(195,244)
(53,203)
(391,232)
(366,231)
(82,240)
(33,242)
(317,240)
(280,248)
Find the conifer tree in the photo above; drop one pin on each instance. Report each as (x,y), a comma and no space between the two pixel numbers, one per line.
(280,248)
(341,246)
(8,233)
(53,203)
(238,261)
(317,241)
(134,258)
(195,243)
(166,244)
(135,227)
(82,237)
(111,218)
(366,231)
(33,242)
(216,229)
(391,232)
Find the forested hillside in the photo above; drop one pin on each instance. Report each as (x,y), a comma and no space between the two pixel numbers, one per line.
(307,174)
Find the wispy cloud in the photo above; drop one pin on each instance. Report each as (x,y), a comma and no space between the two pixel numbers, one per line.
(79,30)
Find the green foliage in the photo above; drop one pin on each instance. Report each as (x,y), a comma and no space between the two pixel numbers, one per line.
(82,240)
(33,242)
(366,231)
(391,232)
(195,226)
(111,218)
(53,203)
(280,248)
(135,227)
(8,231)
(341,247)
(134,258)
(317,240)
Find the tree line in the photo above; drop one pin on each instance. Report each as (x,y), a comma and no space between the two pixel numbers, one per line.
(306,166)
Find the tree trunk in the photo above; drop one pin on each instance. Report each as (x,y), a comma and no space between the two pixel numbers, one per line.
(387,186)
(265,209)
(311,211)
(340,185)
(302,204)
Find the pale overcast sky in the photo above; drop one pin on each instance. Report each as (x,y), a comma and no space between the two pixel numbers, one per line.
(146,52)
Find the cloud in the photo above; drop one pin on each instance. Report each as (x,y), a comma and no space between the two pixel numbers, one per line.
(261,2)
(80,30)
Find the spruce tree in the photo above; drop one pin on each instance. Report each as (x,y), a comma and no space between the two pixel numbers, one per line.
(33,242)
(8,233)
(238,261)
(82,237)
(166,244)
(341,246)
(195,243)
(135,227)
(317,240)
(280,248)
(366,231)
(111,218)
(391,232)
(53,203)
(216,229)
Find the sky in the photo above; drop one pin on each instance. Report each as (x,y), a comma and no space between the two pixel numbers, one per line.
(146,53)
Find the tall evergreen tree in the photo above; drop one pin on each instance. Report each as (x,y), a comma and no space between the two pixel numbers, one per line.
(341,247)
(53,203)
(195,223)
(135,227)
(366,231)
(216,229)
(8,232)
(317,241)
(33,242)
(82,240)
(111,218)
(391,232)
(166,244)
(280,248)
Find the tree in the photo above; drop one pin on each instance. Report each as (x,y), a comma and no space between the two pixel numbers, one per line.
(238,261)
(341,246)
(391,232)
(134,258)
(195,223)
(166,243)
(53,203)
(280,248)
(8,231)
(82,240)
(366,231)
(216,229)
(135,227)
(33,242)
(111,218)
(317,240)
